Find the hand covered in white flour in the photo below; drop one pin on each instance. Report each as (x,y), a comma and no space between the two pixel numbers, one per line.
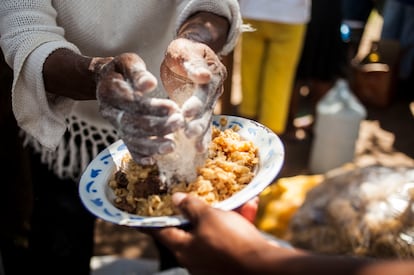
(193,76)
(142,121)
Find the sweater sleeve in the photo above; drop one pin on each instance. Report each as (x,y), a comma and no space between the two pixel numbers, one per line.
(226,8)
(28,34)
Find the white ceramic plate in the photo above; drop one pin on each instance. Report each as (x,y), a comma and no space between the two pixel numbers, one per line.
(97,196)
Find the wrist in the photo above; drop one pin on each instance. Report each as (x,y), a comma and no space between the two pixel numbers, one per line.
(207,28)
(66,73)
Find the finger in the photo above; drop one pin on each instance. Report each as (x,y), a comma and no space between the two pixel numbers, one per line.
(97,63)
(202,64)
(113,115)
(198,70)
(194,105)
(186,59)
(112,86)
(158,106)
(115,91)
(180,51)
(249,209)
(172,237)
(135,71)
(134,125)
(143,81)
(202,144)
(190,206)
(204,98)
(212,92)
(143,160)
(199,126)
(131,124)
(143,147)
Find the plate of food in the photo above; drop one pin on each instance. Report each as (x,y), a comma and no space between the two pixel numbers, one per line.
(243,158)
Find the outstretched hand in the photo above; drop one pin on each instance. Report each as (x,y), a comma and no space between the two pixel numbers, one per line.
(218,242)
(142,121)
(193,76)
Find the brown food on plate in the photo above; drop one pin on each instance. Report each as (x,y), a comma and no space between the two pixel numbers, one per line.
(229,167)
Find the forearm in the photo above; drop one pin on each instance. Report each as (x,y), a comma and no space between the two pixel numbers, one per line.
(67,73)
(206,28)
(297,262)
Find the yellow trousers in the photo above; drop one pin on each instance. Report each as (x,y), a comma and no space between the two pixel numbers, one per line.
(269,58)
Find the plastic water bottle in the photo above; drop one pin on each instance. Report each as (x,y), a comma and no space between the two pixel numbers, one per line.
(338,117)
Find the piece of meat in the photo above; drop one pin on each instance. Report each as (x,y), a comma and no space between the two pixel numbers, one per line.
(152,185)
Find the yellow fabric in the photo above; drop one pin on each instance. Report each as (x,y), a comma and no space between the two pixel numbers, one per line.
(269,58)
(280,201)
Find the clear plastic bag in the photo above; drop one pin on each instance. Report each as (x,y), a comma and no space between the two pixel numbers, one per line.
(365,212)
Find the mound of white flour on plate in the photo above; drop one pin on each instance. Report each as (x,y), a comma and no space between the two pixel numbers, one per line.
(182,163)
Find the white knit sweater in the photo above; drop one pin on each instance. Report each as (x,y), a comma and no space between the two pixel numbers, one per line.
(32,29)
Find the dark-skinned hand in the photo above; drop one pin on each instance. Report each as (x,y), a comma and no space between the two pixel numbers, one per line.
(142,121)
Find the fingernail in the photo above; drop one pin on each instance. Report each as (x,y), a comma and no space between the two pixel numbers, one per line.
(178,197)
(147,83)
(192,106)
(166,147)
(146,161)
(193,130)
(176,121)
(198,72)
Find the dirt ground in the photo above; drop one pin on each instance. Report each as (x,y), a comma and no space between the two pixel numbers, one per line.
(386,137)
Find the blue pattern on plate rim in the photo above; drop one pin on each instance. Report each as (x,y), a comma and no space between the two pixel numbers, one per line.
(96,194)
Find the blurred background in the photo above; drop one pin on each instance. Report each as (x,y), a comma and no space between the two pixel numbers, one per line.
(385,135)
(346,119)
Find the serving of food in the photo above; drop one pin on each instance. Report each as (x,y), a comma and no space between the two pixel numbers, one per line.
(242,159)
(229,167)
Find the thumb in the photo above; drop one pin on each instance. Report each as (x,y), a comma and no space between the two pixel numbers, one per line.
(190,206)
